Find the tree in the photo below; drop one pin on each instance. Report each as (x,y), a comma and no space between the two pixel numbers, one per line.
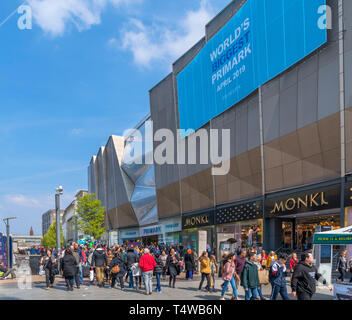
(49,239)
(90,215)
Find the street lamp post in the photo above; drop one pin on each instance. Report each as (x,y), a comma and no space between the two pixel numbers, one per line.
(8,262)
(59,191)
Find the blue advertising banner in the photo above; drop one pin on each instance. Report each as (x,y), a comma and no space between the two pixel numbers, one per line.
(2,248)
(263,39)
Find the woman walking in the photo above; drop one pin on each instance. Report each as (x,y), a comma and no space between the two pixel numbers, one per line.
(69,268)
(205,270)
(229,275)
(293,263)
(117,269)
(49,264)
(172,267)
(163,258)
(189,264)
(214,270)
(342,266)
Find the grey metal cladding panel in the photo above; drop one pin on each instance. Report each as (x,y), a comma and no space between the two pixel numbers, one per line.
(288,110)
(101,179)
(91,179)
(328,89)
(307,101)
(162,102)
(348,78)
(288,79)
(333,33)
(183,61)
(347,18)
(308,67)
(227,120)
(253,123)
(329,53)
(111,167)
(222,18)
(241,128)
(271,88)
(271,118)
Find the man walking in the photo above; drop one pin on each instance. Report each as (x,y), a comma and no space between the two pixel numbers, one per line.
(99,261)
(304,278)
(147,264)
(277,277)
(250,278)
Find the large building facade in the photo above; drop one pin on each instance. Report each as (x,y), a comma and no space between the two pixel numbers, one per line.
(290,155)
(48,219)
(122,177)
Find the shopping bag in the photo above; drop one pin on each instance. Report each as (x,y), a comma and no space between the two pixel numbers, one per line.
(263,276)
(91,275)
(41,271)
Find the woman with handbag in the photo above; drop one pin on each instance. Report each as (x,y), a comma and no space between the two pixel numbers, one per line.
(49,264)
(263,259)
(117,269)
(172,267)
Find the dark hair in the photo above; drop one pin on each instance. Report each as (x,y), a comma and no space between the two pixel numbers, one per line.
(251,254)
(283,256)
(68,251)
(243,250)
(305,255)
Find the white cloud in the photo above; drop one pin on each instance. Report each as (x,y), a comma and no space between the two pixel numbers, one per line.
(76,131)
(54,16)
(22,201)
(160,43)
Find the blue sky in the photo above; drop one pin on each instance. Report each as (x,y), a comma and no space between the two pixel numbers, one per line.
(79,75)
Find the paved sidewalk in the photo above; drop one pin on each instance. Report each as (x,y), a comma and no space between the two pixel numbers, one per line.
(185,290)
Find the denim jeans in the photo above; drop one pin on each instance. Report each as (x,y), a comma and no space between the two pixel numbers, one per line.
(279,289)
(79,275)
(148,276)
(251,294)
(260,292)
(131,279)
(226,285)
(158,286)
(189,274)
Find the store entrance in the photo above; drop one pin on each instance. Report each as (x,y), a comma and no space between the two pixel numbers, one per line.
(298,232)
(147,241)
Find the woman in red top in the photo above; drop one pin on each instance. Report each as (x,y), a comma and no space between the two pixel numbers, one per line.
(293,262)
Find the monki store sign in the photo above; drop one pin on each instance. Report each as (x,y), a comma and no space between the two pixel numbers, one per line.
(312,200)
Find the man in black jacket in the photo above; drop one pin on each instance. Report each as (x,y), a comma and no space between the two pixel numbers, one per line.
(99,261)
(304,278)
(130,258)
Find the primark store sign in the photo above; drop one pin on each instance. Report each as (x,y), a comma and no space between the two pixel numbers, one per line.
(263,39)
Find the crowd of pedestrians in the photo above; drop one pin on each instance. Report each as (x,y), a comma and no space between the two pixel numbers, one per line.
(136,266)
